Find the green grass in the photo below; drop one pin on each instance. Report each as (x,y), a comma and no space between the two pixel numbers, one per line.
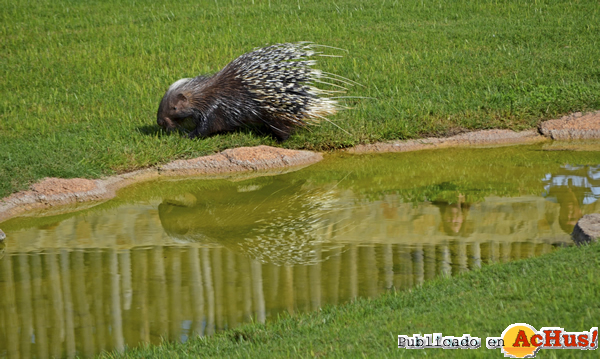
(81,81)
(560,289)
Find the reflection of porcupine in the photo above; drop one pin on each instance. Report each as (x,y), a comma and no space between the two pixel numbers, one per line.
(272,86)
(278,229)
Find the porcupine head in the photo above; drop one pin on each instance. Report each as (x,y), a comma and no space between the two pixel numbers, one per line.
(175,106)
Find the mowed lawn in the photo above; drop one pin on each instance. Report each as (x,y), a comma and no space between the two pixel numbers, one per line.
(81,81)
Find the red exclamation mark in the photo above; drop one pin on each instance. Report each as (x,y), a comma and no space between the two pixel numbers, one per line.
(594,338)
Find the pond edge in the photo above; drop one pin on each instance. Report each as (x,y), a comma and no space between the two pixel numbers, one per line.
(244,162)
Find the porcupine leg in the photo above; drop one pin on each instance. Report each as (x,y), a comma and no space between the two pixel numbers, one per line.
(281,135)
(278,129)
(201,120)
(198,120)
(194,133)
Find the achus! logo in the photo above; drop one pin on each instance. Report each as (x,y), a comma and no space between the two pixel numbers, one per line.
(521,340)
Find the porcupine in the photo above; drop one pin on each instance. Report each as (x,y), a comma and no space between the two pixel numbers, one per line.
(272,86)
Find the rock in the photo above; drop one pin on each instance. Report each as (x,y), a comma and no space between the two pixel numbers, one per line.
(483,138)
(241,159)
(576,126)
(587,229)
(2,236)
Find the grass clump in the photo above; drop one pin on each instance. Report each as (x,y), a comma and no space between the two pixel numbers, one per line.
(558,289)
(82,80)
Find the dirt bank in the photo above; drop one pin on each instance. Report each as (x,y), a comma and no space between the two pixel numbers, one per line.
(51,192)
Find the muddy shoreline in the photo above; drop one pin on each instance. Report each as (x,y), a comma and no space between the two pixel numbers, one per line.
(261,160)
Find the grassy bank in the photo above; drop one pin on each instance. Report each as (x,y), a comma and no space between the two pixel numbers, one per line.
(82,80)
(559,289)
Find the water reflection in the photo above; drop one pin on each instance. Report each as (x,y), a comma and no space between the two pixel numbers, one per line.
(194,257)
(65,303)
(454,217)
(143,286)
(275,220)
(572,187)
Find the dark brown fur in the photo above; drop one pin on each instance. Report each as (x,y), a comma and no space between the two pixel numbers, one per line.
(219,103)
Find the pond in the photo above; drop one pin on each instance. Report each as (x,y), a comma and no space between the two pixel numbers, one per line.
(180,258)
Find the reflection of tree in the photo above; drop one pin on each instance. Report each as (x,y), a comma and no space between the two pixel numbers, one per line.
(453,201)
(572,187)
(454,218)
(454,215)
(271,219)
(57,296)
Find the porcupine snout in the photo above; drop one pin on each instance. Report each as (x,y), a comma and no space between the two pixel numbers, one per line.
(165,123)
(162,116)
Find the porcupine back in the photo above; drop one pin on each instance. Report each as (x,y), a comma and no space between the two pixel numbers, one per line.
(281,78)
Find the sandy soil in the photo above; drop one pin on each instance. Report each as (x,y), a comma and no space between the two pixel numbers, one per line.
(51,192)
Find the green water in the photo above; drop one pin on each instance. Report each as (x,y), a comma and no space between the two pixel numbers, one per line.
(177,259)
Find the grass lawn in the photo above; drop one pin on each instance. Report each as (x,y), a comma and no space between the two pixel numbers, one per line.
(556,290)
(81,81)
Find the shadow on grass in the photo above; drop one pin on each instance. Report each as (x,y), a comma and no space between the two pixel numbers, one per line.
(245,131)
(157,131)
